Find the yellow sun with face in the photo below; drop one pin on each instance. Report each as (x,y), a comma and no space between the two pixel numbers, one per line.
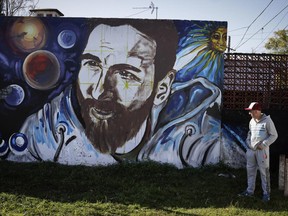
(219,39)
(200,52)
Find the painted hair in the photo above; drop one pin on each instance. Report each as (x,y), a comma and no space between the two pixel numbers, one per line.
(162,31)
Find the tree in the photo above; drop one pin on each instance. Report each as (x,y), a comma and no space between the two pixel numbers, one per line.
(17,7)
(279,43)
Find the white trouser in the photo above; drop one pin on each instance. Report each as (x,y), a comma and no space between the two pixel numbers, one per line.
(258,159)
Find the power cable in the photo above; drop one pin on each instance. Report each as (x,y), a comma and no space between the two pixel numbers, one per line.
(236,35)
(252,23)
(271,31)
(137,13)
(262,27)
(238,29)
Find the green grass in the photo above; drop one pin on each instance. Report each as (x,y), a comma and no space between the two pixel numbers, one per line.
(130,189)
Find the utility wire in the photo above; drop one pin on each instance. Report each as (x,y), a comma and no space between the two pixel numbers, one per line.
(236,35)
(262,27)
(271,31)
(238,29)
(138,13)
(237,46)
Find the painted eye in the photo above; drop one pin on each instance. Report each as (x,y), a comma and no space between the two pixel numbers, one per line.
(216,36)
(128,75)
(92,63)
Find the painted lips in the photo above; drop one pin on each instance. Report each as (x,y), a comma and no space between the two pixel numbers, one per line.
(99,114)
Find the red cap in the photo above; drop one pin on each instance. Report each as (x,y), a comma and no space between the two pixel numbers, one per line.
(254,106)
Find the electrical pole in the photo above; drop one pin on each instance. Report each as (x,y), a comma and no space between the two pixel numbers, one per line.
(229,43)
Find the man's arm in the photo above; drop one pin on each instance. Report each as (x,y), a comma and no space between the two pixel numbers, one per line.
(273,135)
(248,139)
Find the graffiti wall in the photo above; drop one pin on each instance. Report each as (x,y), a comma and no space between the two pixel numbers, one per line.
(101,91)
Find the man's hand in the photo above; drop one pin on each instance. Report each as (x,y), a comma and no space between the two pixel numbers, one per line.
(260,147)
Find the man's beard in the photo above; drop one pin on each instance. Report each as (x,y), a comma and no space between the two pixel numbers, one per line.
(107,135)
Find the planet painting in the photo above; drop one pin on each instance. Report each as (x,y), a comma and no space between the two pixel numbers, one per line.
(28,34)
(18,143)
(3,148)
(15,95)
(41,70)
(66,39)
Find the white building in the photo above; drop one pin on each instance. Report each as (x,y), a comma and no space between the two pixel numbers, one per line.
(47,12)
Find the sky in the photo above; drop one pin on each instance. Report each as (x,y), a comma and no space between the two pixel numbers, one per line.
(250,22)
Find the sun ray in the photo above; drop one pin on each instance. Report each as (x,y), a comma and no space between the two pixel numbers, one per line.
(199,52)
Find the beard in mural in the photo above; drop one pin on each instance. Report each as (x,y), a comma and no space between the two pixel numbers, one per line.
(109,124)
(116,86)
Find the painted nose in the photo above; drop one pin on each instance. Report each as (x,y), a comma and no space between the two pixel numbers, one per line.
(104,89)
(97,91)
(98,86)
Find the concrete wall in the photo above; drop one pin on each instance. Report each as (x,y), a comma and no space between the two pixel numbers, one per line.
(101,91)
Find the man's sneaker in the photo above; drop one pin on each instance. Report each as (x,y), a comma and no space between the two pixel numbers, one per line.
(245,194)
(266,198)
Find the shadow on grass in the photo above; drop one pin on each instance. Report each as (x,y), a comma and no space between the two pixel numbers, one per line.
(147,184)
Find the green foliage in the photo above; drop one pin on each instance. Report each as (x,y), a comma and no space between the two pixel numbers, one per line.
(130,189)
(279,43)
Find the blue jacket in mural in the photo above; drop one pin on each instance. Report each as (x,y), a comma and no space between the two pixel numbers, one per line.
(185,134)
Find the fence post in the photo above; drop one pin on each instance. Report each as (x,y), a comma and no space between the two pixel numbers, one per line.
(281,174)
(286,179)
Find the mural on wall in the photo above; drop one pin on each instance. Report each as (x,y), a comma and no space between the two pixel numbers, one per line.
(101,91)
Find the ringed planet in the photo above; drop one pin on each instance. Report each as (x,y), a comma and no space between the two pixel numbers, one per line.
(41,70)
(28,34)
(15,95)
(66,39)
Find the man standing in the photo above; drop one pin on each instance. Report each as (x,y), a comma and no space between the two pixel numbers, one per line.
(262,133)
